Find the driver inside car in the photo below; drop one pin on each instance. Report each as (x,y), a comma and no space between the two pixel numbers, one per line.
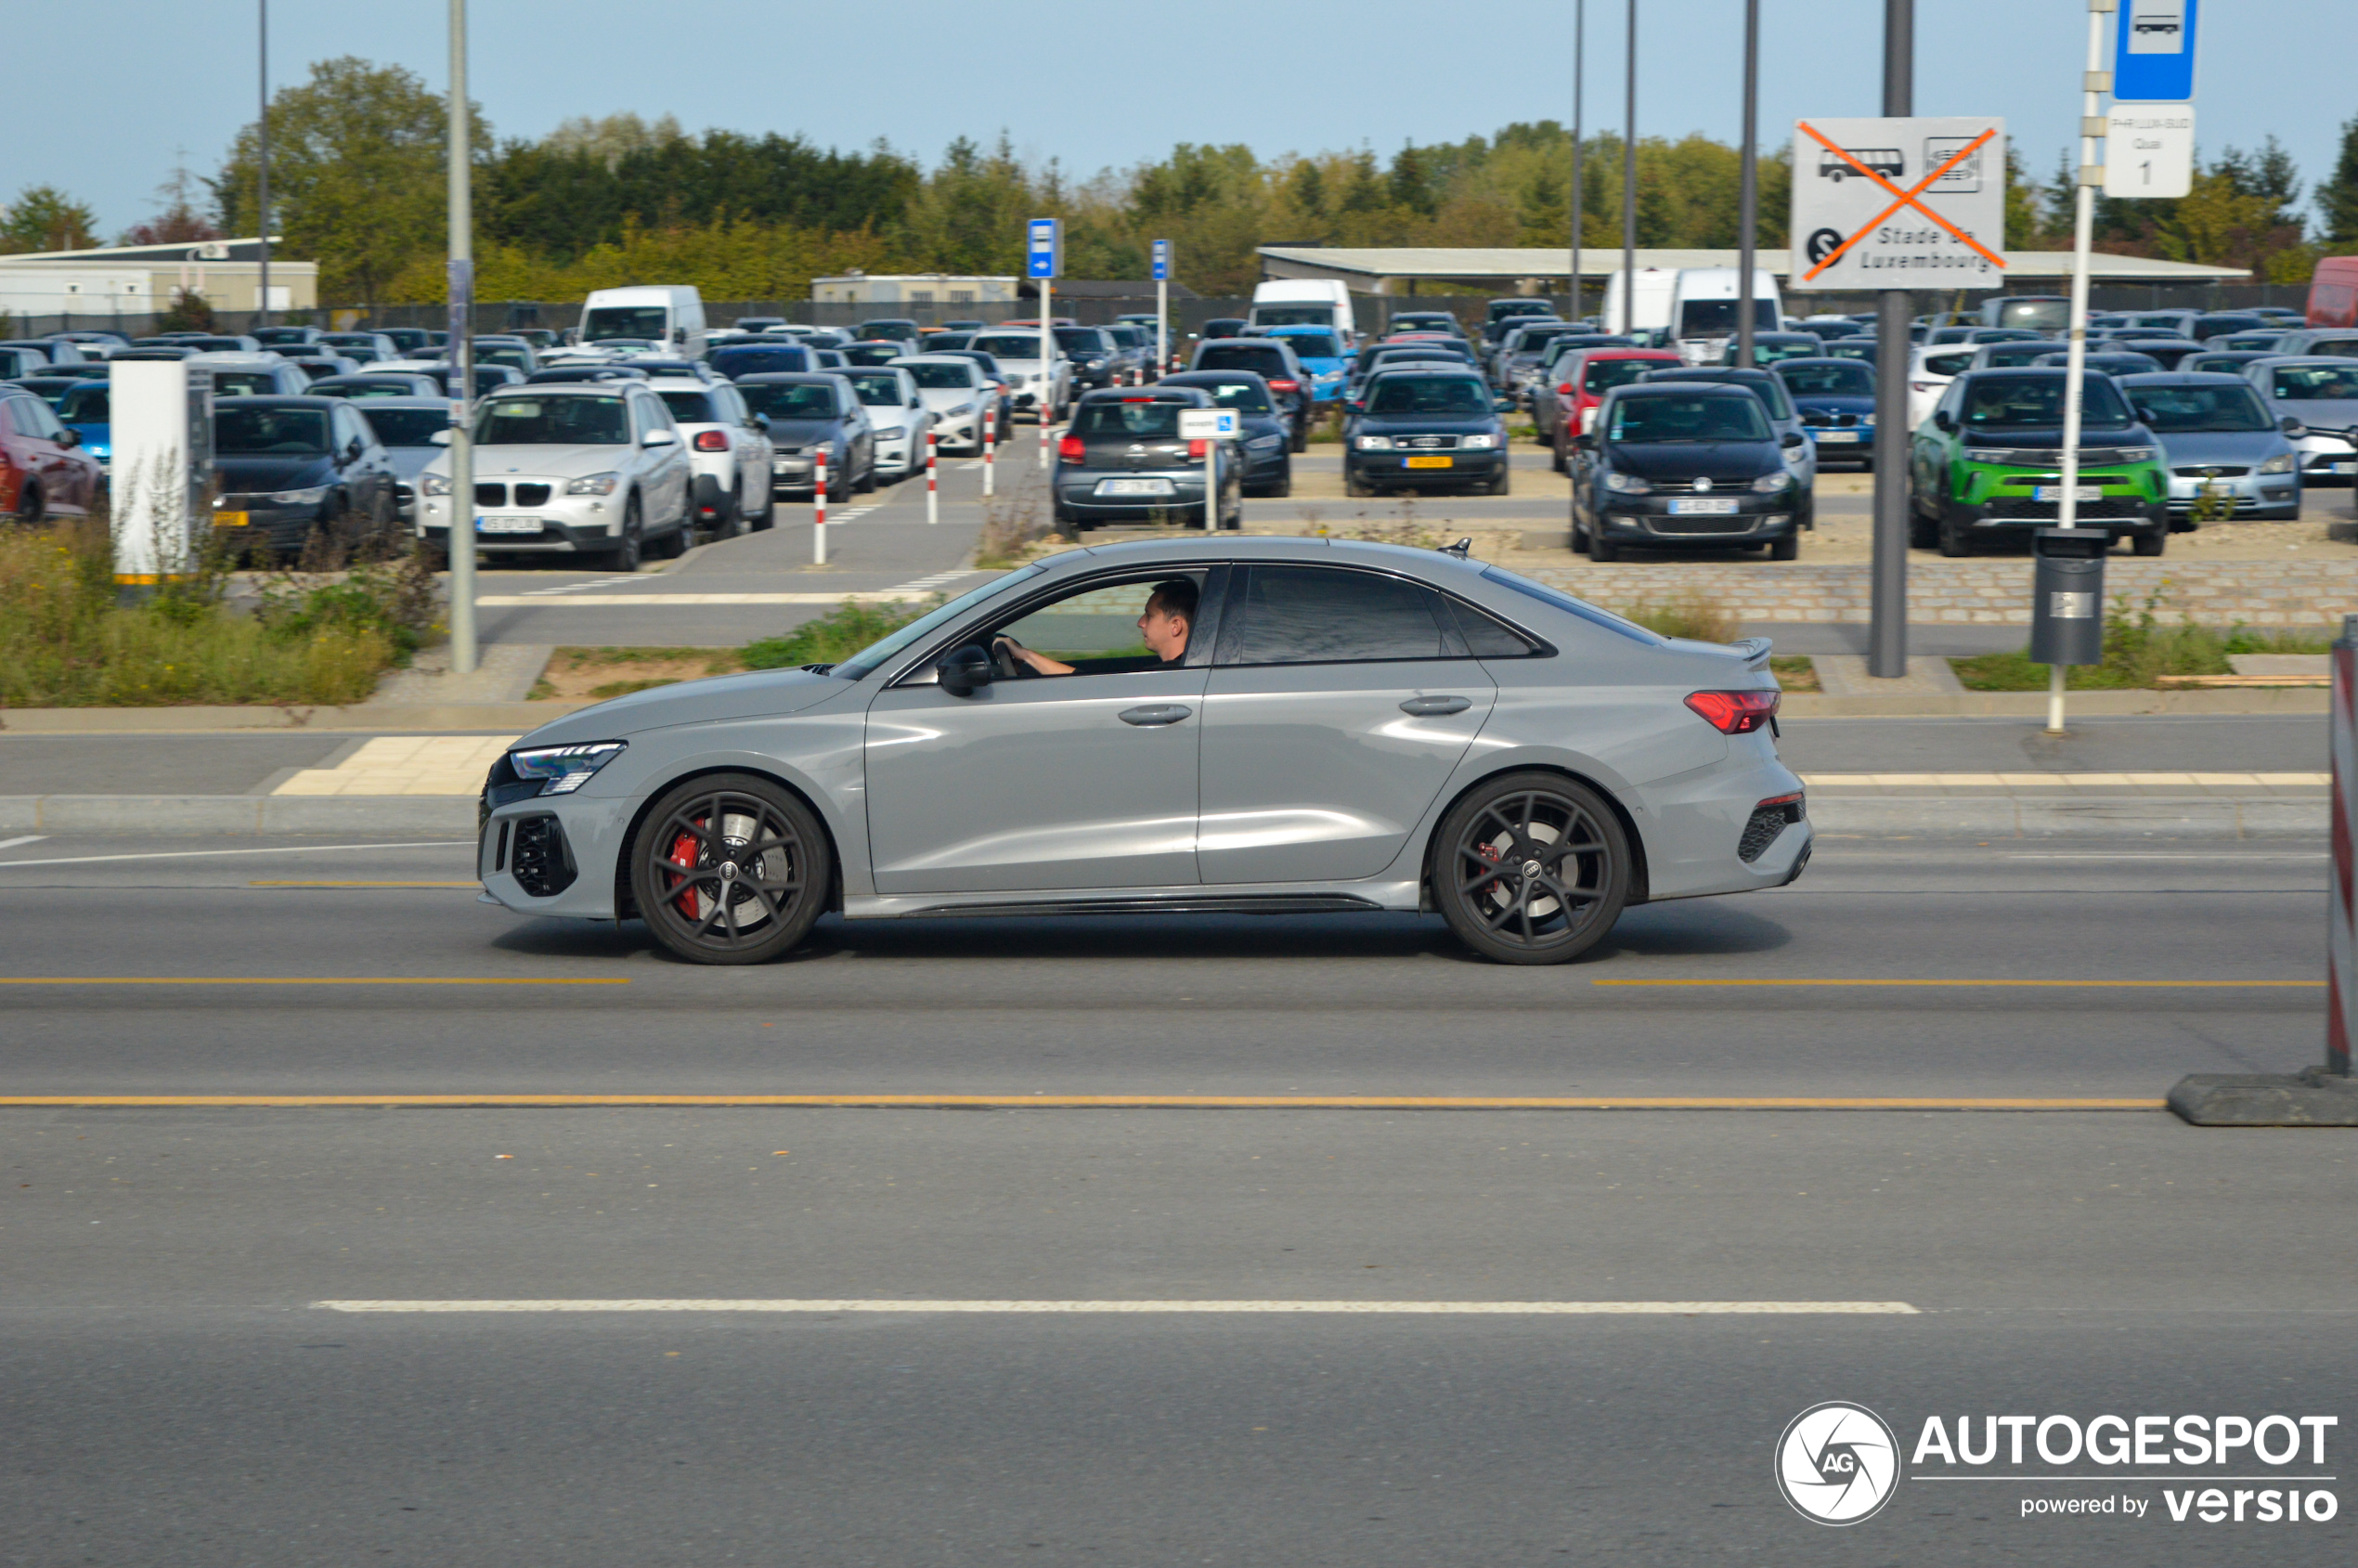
(1164,626)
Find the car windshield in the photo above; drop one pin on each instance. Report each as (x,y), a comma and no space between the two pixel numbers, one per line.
(2015,353)
(2038,400)
(790,400)
(1128,420)
(2170,410)
(626,321)
(1242,395)
(733,361)
(875,353)
(504,354)
(1707,416)
(553,422)
(2039,316)
(689,407)
(1603,375)
(244,383)
(879,392)
(1009,345)
(1430,395)
(255,431)
(85,404)
(1292,315)
(1850,379)
(407,427)
(875,653)
(1078,341)
(350,389)
(1267,358)
(1315,345)
(2316,383)
(1697,316)
(942,376)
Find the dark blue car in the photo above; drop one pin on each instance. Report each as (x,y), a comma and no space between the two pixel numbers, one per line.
(738,360)
(1837,400)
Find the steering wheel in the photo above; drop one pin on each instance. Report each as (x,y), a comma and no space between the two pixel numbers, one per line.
(1004,665)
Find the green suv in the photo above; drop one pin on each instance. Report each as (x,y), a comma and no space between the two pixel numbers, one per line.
(1987,464)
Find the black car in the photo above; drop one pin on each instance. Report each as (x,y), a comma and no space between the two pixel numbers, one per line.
(736,360)
(808,414)
(1272,361)
(1096,361)
(1121,460)
(1266,434)
(1683,463)
(1223,327)
(1425,428)
(878,351)
(292,470)
(387,383)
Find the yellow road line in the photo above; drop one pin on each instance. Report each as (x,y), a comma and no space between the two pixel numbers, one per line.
(1092,1102)
(363,884)
(293,979)
(2123,985)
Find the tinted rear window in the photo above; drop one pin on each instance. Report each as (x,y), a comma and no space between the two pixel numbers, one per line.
(1316,614)
(406,427)
(1315,345)
(1265,359)
(749,360)
(1711,416)
(689,407)
(1451,395)
(1128,422)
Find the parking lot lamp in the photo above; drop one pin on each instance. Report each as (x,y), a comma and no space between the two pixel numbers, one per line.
(1888,631)
(462,358)
(1629,181)
(1579,79)
(261,195)
(1748,200)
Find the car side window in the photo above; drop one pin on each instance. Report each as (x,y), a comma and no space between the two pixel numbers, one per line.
(33,413)
(1095,628)
(1952,399)
(1484,635)
(1320,614)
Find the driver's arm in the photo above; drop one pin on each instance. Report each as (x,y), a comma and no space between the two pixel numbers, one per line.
(1040,663)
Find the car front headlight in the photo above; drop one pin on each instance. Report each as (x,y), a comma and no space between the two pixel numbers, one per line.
(433,485)
(1479,442)
(594,485)
(2135,454)
(1375,443)
(1266,443)
(1627,483)
(1769,483)
(2282,462)
(564,768)
(312,497)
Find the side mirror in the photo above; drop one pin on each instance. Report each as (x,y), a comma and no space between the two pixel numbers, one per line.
(659,439)
(965,670)
(2292,427)
(1942,421)
(1584,441)
(1503,405)
(1792,438)
(440,437)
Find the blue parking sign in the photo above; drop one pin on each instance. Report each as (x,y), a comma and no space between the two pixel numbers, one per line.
(1163,260)
(2154,59)
(1046,249)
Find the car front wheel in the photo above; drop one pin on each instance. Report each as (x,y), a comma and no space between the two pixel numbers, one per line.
(1531,868)
(730,869)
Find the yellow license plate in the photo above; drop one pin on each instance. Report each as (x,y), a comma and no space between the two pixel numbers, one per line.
(231,519)
(1429,462)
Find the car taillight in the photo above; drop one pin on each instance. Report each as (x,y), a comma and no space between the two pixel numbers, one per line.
(711,441)
(1069,449)
(1564,390)
(1285,386)
(1197,448)
(1735,713)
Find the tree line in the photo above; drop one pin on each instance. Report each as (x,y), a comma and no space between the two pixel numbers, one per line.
(357,184)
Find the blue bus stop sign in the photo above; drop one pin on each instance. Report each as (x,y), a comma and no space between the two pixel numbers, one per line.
(1163,260)
(1046,250)
(2153,60)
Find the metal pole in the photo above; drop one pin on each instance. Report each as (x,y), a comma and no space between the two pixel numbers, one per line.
(933,491)
(2091,109)
(989,449)
(1162,324)
(2341,923)
(1888,637)
(1748,199)
(462,457)
(1629,182)
(262,299)
(1045,403)
(1579,81)
(819,505)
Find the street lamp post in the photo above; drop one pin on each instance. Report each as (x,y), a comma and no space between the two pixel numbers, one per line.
(262,299)
(461,355)
(1748,202)
(1579,81)
(1887,636)
(1629,181)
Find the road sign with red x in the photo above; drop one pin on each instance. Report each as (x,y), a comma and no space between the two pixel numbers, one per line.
(1917,203)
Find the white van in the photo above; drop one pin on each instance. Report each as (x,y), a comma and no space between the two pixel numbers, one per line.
(1652,296)
(667,314)
(1306,302)
(1702,311)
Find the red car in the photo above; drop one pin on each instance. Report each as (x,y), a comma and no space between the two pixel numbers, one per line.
(41,473)
(1565,404)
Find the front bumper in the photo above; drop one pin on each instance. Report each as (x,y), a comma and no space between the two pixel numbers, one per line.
(565,869)
(565,525)
(2255,495)
(2324,461)
(792,474)
(1649,518)
(268,524)
(2134,500)
(1390,470)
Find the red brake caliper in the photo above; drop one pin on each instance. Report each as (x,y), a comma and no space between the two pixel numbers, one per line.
(683,853)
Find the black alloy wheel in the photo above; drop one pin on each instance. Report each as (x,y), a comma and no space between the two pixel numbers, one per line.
(1531,868)
(30,509)
(623,555)
(730,869)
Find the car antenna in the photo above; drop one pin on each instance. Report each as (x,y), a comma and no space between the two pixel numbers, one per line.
(1459,549)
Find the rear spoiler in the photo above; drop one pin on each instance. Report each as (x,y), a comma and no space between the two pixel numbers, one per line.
(1755,651)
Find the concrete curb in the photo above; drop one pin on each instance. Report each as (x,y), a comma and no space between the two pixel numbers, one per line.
(1940,816)
(2306,1099)
(368,719)
(2279,699)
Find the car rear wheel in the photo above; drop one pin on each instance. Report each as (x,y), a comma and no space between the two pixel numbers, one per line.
(730,869)
(1531,868)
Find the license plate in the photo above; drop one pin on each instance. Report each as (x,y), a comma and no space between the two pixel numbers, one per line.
(1850,436)
(1133,486)
(231,519)
(2344,468)
(1714,506)
(507,524)
(2080,492)
(1439,461)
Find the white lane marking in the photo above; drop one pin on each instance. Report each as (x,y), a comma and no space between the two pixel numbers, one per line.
(274,849)
(2132,855)
(2069,781)
(28,838)
(510,602)
(1545,1309)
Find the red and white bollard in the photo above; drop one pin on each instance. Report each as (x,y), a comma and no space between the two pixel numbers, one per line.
(818,510)
(933,488)
(2341,939)
(989,449)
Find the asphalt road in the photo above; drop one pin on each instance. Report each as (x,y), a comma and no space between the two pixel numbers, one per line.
(174,1394)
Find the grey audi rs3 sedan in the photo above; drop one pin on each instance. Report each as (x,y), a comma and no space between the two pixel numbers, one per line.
(1216,724)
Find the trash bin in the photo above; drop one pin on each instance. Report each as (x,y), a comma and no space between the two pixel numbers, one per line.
(2067,595)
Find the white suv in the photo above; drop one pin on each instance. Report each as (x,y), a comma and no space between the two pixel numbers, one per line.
(729,452)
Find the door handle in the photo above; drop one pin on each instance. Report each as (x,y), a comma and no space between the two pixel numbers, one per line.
(1156,714)
(1427,706)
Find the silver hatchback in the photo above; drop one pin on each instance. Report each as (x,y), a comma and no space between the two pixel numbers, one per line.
(1218,724)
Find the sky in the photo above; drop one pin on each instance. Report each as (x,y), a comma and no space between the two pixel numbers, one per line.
(1112,82)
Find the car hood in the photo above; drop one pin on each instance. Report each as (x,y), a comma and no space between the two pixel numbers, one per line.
(1426,424)
(950,397)
(246,475)
(1834,403)
(2051,436)
(1712,460)
(562,462)
(410,461)
(756,695)
(895,421)
(803,432)
(2231,447)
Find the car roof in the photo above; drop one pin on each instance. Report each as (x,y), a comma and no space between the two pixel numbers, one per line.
(439,404)
(1670,388)
(1808,359)
(285,399)
(1152,394)
(568,389)
(790,378)
(1216,378)
(2183,378)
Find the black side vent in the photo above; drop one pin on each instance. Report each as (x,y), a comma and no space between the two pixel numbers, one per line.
(543,865)
(1762,827)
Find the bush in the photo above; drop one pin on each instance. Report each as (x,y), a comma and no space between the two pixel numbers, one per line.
(2138,650)
(1698,618)
(834,637)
